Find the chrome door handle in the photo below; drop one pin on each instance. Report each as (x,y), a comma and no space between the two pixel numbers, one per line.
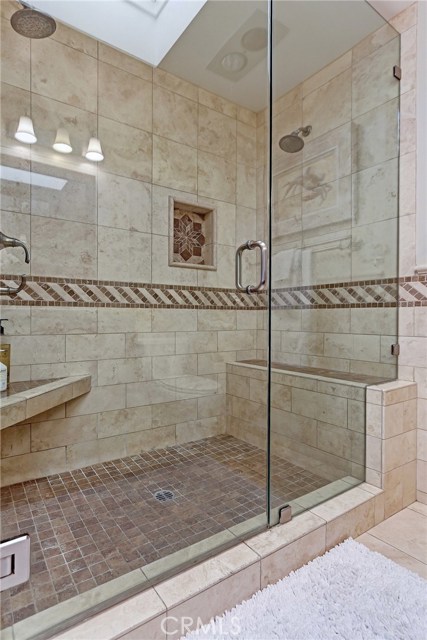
(250,288)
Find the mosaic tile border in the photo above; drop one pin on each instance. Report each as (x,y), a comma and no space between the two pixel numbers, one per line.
(413,291)
(347,294)
(409,291)
(47,291)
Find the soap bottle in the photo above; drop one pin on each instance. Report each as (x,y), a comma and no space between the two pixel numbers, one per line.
(5,351)
(3,374)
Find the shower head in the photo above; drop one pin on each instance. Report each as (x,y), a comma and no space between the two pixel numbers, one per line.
(32,24)
(292,142)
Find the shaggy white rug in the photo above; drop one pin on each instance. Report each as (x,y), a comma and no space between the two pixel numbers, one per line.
(350,593)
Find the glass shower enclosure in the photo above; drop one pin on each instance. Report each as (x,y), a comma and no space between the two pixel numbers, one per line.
(246,211)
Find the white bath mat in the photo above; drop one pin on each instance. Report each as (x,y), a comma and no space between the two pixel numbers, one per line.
(350,593)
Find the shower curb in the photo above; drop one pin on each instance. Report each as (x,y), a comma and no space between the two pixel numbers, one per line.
(181,603)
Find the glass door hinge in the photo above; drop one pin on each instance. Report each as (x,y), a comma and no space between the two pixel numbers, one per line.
(395,349)
(285,514)
(397,72)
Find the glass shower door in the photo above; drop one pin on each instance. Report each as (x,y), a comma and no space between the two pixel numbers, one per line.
(163,462)
(333,189)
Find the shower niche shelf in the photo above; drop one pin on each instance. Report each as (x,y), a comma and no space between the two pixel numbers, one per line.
(191,235)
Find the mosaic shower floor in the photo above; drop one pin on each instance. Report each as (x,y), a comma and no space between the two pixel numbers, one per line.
(91,525)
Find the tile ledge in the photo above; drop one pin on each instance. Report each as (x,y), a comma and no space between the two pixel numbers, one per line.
(77,385)
(370,488)
(336,507)
(391,392)
(282,535)
(393,385)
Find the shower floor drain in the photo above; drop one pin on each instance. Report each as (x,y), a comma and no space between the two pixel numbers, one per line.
(164,496)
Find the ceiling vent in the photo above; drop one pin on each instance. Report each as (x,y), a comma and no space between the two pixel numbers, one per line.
(246,47)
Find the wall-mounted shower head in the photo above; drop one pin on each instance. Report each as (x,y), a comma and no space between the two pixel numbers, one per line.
(32,24)
(292,142)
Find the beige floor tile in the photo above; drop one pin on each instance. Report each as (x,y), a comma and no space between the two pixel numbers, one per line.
(407,531)
(419,507)
(398,556)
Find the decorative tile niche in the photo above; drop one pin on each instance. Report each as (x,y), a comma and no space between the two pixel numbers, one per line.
(191,235)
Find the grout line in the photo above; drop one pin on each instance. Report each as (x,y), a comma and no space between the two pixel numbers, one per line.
(416,510)
(386,542)
(409,555)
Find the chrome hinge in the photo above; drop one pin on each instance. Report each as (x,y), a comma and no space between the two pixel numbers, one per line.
(397,72)
(395,349)
(285,514)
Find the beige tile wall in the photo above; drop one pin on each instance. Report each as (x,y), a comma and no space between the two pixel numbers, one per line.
(412,321)
(335,202)
(335,206)
(356,340)
(161,136)
(158,378)
(158,375)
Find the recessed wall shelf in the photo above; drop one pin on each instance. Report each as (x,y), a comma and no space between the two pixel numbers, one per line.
(191,235)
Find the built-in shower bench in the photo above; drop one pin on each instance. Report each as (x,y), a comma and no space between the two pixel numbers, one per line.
(24,400)
(317,415)
(318,371)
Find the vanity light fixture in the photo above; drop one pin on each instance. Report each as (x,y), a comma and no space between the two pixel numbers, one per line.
(62,141)
(25,131)
(94,151)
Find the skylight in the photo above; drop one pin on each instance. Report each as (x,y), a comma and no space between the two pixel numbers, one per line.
(146,29)
(152,7)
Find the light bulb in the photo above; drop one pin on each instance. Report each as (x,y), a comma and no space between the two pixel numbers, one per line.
(62,141)
(25,131)
(94,151)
